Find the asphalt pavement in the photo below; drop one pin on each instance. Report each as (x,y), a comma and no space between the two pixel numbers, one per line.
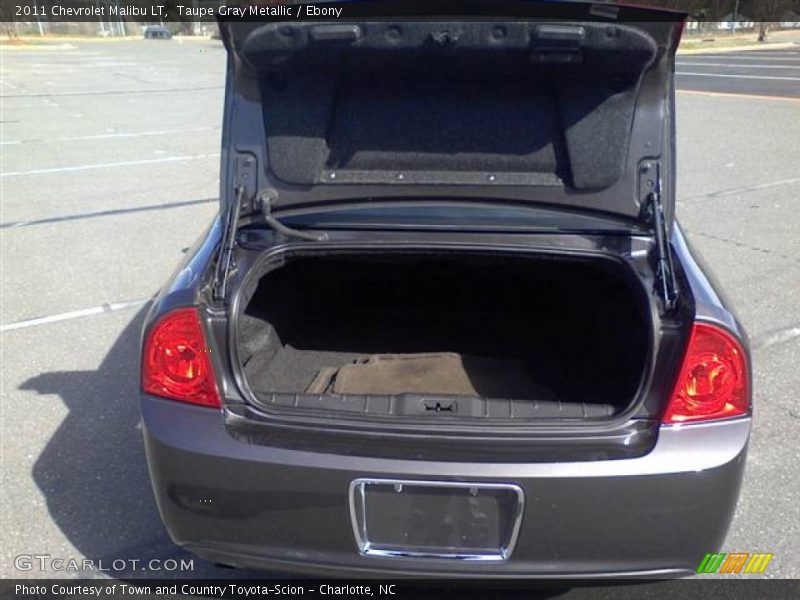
(755,72)
(110,160)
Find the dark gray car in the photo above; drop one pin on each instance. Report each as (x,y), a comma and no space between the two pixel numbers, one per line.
(446,322)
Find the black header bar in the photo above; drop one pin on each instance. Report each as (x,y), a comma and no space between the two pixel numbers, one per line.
(198,11)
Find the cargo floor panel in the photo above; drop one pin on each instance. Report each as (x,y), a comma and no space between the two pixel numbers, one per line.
(462,335)
(290,369)
(440,373)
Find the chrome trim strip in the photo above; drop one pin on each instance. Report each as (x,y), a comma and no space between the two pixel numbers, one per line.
(366,548)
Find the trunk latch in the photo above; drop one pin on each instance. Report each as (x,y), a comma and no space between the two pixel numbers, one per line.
(438,406)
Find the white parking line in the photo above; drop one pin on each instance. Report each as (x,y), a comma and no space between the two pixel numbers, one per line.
(75,314)
(739,96)
(733,76)
(772,53)
(127,163)
(39,94)
(789,57)
(105,136)
(742,189)
(736,65)
(776,337)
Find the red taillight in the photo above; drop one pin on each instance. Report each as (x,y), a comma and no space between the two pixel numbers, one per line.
(176,363)
(713,382)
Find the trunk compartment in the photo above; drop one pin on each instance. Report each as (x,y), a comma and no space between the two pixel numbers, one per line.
(452,335)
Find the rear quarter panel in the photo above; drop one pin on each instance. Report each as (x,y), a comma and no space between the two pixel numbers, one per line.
(183,286)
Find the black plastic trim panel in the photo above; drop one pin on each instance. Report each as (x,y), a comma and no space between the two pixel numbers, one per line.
(635,439)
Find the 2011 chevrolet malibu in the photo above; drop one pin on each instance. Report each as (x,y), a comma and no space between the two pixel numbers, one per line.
(446,323)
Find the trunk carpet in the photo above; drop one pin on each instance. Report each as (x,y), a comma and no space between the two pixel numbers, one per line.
(437,373)
(291,370)
(448,373)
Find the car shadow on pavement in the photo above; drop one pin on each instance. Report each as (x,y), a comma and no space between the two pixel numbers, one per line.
(93,473)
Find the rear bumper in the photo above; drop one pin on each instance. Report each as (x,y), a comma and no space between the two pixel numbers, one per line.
(259,507)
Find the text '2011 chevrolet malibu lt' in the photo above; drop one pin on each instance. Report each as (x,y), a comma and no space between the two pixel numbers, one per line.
(446,323)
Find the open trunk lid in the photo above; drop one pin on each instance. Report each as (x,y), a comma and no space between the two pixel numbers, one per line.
(554,103)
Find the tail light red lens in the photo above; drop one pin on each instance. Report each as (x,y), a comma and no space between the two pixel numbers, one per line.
(713,381)
(176,363)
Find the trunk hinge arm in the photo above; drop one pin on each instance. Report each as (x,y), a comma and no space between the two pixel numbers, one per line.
(266,199)
(654,207)
(225,263)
